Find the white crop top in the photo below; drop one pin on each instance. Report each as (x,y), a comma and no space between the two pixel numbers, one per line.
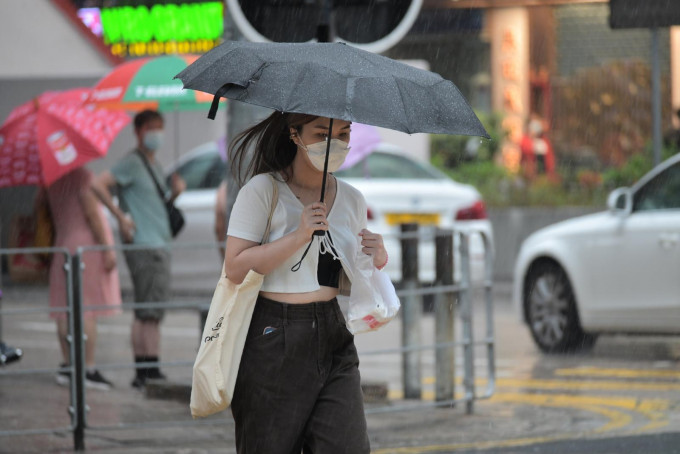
(248,220)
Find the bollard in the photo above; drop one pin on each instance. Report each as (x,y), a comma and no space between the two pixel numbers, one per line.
(444,317)
(411,314)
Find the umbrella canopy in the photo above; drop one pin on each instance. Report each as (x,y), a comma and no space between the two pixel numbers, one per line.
(147,83)
(51,135)
(336,81)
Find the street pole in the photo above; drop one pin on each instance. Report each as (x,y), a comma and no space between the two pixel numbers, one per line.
(411,313)
(656,97)
(324,30)
(444,320)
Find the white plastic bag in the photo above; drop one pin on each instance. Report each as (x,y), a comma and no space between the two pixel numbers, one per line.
(373,301)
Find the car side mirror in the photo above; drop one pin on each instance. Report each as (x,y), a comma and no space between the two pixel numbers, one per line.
(620,201)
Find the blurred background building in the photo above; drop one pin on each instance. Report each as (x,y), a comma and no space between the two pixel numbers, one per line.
(554,59)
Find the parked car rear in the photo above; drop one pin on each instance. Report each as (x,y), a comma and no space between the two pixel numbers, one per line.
(399,189)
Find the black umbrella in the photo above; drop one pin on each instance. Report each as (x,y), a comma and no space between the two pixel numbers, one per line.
(336,81)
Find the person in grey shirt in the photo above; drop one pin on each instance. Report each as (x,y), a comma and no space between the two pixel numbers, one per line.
(143,220)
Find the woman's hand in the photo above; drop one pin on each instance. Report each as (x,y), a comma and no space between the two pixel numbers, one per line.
(109,260)
(127,228)
(313,218)
(372,244)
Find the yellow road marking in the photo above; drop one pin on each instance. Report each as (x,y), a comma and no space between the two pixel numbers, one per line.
(432,380)
(618,373)
(616,410)
(651,408)
(472,445)
(617,419)
(608,385)
(655,410)
(535,383)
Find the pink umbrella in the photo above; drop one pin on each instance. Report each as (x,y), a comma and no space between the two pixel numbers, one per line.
(363,140)
(47,137)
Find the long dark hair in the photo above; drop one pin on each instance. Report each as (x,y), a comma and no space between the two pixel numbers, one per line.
(273,148)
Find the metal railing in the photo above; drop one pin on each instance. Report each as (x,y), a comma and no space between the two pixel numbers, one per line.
(199,305)
(69,310)
(444,289)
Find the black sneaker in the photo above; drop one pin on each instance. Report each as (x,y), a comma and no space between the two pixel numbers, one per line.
(94,379)
(138,383)
(155,374)
(9,354)
(63,378)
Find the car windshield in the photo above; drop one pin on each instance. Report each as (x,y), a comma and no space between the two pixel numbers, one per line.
(390,166)
(205,171)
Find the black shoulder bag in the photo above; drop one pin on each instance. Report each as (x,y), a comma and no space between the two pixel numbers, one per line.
(175,215)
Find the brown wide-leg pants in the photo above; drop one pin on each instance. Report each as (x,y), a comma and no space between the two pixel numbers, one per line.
(298,387)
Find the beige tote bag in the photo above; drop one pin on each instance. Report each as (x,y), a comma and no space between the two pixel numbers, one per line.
(224,336)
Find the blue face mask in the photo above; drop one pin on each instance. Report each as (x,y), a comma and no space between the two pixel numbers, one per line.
(153,139)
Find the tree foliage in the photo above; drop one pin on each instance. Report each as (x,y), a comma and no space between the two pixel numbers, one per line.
(608,109)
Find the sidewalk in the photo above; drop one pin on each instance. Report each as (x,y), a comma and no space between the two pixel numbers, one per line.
(35,401)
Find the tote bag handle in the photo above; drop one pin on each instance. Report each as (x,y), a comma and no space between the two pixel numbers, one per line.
(272,207)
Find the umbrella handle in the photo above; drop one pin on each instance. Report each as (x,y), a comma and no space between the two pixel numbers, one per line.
(325,171)
(216,100)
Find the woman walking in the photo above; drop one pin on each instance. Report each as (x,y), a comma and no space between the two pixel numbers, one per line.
(298,387)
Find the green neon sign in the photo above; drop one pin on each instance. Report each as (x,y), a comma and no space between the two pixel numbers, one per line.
(163,23)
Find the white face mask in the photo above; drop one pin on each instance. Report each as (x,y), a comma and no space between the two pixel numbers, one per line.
(337,154)
(153,139)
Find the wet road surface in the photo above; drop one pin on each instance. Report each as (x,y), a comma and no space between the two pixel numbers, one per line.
(623,394)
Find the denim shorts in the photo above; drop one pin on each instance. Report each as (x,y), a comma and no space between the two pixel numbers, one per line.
(298,387)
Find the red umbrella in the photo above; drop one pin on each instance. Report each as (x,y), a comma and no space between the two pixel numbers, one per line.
(47,137)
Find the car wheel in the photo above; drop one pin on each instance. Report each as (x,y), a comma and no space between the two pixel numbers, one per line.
(550,309)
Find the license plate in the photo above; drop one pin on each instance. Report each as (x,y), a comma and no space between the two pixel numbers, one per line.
(410,218)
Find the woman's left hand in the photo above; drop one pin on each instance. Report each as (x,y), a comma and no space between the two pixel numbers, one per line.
(372,244)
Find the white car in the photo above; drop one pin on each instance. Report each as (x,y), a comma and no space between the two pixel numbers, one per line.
(616,271)
(397,189)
